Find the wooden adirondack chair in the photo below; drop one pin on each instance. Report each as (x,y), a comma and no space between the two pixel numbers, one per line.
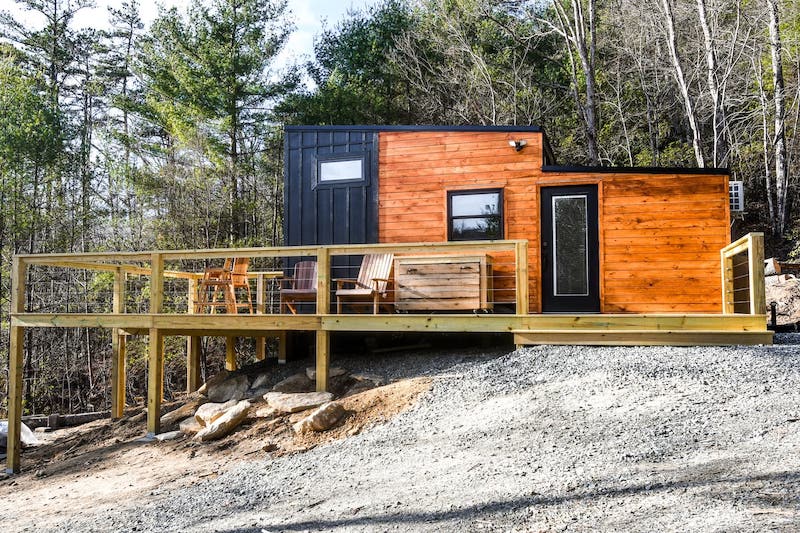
(229,278)
(302,286)
(372,283)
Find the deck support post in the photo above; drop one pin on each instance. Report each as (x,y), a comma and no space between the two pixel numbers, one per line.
(15,359)
(155,380)
(118,349)
(230,354)
(192,345)
(281,347)
(323,359)
(155,359)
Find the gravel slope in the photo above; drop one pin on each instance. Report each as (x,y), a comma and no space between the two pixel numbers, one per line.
(542,439)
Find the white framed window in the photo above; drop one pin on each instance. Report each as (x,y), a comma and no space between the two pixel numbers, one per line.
(340,170)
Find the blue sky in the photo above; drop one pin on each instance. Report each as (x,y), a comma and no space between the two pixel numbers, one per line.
(306,14)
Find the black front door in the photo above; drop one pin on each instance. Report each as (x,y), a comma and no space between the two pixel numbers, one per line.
(570,269)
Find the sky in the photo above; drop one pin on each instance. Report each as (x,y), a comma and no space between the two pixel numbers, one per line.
(308,16)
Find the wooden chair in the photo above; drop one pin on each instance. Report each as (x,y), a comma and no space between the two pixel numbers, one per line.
(372,282)
(302,286)
(229,278)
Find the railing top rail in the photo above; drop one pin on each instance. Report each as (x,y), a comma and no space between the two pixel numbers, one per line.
(740,245)
(100,260)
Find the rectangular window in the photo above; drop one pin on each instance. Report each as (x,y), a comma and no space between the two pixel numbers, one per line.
(341,170)
(475,215)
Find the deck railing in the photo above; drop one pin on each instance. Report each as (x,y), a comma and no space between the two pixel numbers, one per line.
(743,276)
(161,282)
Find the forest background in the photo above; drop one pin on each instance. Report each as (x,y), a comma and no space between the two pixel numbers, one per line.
(170,136)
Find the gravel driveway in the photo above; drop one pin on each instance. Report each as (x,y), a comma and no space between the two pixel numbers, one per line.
(541,439)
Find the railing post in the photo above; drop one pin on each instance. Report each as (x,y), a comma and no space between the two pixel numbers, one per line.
(261,342)
(726,267)
(15,360)
(323,281)
(521,255)
(755,267)
(118,349)
(155,360)
(192,344)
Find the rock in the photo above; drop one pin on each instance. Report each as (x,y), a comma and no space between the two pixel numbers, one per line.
(322,419)
(333,372)
(374,378)
(208,412)
(226,423)
(185,410)
(257,395)
(260,381)
(295,383)
(43,429)
(233,388)
(26,436)
(169,435)
(190,426)
(263,412)
(213,382)
(292,403)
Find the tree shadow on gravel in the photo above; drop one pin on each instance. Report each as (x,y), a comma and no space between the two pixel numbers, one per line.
(789,480)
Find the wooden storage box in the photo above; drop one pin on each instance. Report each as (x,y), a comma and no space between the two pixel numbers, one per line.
(443,283)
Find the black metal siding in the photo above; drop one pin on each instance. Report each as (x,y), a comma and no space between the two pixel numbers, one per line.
(330,213)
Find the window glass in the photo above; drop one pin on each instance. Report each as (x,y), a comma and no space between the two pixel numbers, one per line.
(570,233)
(475,215)
(350,169)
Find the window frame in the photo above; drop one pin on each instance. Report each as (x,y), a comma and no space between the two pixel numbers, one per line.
(338,157)
(466,192)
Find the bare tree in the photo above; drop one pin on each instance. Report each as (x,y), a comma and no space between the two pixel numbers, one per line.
(781,160)
(577,28)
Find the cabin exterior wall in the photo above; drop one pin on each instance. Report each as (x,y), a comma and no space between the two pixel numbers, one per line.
(659,233)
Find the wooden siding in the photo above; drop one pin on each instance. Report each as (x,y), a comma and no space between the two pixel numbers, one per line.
(660,234)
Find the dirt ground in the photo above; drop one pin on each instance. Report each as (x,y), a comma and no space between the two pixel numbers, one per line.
(100,464)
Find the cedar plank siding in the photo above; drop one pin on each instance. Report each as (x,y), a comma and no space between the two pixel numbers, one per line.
(660,234)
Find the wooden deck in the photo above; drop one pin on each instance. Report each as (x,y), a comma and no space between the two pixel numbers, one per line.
(511,316)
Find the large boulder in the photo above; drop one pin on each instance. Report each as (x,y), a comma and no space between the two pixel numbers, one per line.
(190,426)
(208,412)
(215,380)
(333,372)
(184,411)
(233,388)
(295,383)
(292,403)
(322,418)
(225,424)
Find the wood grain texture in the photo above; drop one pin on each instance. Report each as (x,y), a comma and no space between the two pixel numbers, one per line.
(660,234)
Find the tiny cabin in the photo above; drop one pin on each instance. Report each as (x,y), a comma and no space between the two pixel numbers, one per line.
(600,239)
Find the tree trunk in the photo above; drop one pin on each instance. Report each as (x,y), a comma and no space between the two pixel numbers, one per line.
(672,44)
(781,160)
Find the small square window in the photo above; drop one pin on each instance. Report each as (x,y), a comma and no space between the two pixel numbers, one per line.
(475,215)
(341,170)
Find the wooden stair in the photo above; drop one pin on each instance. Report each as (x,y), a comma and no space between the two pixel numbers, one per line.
(642,337)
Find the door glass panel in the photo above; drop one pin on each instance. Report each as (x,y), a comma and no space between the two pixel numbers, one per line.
(570,247)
